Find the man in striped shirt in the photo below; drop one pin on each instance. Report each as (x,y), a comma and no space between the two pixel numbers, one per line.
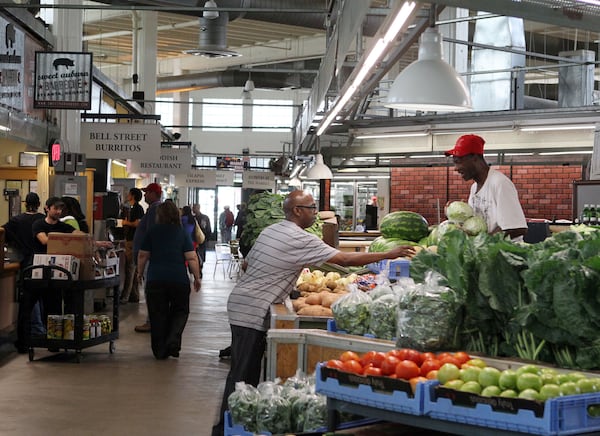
(277,257)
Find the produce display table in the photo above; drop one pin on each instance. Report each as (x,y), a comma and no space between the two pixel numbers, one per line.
(283,318)
(32,289)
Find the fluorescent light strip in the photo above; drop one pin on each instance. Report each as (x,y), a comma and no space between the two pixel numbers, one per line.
(4,128)
(557,153)
(119,163)
(555,128)
(425,156)
(370,60)
(589,2)
(393,135)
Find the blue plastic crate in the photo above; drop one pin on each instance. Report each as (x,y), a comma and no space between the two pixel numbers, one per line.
(396,401)
(232,429)
(560,416)
(332,327)
(397,268)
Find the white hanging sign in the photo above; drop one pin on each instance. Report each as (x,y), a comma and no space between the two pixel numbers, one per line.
(139,142)
(204,179)
(171,161)
(258,180)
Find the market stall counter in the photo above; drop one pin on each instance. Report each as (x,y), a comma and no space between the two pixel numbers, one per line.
(75,334)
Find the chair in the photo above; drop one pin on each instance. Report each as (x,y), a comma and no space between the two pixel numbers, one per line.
(223,257)
(236,260)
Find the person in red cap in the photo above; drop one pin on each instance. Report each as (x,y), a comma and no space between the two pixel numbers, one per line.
(152,196)
(493,196)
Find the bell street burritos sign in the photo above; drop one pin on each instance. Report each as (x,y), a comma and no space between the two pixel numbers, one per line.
(139,142)
(63,80)
(175,158)
(258,180)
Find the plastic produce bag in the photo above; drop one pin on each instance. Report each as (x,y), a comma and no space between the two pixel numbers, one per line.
(428,316)
(273,410)
(242,405)
(384,317)
(316,412)
(383,286)
(352,311)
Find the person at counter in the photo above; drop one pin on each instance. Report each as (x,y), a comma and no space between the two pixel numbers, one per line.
(131,219)
(51,223)
(493,196)
(276,259)
(18,229)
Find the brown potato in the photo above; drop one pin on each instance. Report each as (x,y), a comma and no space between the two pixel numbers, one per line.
(331,284)
(316,310)
(304,287)
(298,302)
(313,298)
(328,300)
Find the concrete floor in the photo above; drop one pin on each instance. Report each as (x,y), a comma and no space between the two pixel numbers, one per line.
(129,392)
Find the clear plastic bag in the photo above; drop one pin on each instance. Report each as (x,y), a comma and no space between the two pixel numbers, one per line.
(384,316)
(316,412)
(242,405)
(428,316)
(352,311)
(273,410)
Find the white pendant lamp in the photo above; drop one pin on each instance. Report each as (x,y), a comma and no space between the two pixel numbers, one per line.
(319,170)
(349,165)
(429,84)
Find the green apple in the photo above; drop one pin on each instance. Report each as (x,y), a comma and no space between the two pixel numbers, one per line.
(528,380)
(476,362)
(587,385)
(575,376)
(549,391)
(471,386)
(569,388)
(508,379)
(548,371)
(470,373)
(562,378)
(548,378)
(529,394)
(454,384)
(509,393)
(491,391)
(532,369)
(447,372)
(489,376)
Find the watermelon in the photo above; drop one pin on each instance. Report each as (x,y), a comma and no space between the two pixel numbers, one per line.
(381,244)
(404,225)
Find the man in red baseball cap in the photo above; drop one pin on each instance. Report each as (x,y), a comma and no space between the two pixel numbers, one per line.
(153,187)
(493,196)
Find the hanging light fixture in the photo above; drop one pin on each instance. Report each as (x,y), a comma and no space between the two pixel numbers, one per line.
(249,85)
(319,170)
(295,182)
(349,165)
(211,15)
(429,84)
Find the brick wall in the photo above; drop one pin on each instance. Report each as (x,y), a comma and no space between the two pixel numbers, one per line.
(544,191)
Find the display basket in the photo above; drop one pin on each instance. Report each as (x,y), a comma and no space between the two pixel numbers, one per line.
(232,429)
(380,392)
(568,415)
(397,268)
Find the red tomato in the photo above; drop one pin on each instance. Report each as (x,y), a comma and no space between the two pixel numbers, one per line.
(430,365)
(403,353)
(432,375)
(395,353)
(353,366)
(414,382)
(462,357)
(388,366)
(371,370)
(415,356)
(393,375)
(349,355)
(440,356)
(407,369)
(450,359)
(374,358)
(428,355)
(335,364)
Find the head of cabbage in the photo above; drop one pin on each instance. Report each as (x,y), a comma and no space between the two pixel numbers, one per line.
(459,211)
(474,226)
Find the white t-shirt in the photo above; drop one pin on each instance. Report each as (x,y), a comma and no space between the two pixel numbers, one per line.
(498,202)
(277,257)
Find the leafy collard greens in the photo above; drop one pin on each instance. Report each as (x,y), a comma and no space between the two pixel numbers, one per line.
(263,210)
(538,301)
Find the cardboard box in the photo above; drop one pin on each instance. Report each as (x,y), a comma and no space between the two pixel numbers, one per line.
(76,244)
(68,262)
(87,270)
(109,258)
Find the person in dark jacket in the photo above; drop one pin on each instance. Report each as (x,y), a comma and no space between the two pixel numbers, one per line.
(204,223)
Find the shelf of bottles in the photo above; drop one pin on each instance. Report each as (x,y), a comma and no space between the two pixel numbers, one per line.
(590,213)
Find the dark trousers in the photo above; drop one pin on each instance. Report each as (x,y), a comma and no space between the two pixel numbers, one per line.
(247,350)
(168,310)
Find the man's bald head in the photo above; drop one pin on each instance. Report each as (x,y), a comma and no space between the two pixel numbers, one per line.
(294,199)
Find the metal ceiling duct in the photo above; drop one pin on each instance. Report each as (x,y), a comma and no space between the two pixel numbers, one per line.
(212,41)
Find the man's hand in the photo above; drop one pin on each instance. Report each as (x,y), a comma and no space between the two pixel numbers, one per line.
(402,251)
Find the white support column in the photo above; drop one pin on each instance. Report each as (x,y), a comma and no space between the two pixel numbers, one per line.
(146,57)
(68,28)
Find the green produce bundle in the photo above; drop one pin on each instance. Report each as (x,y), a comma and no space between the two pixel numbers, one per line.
(352,311)
(384,316)
(273,412)
(242,405)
